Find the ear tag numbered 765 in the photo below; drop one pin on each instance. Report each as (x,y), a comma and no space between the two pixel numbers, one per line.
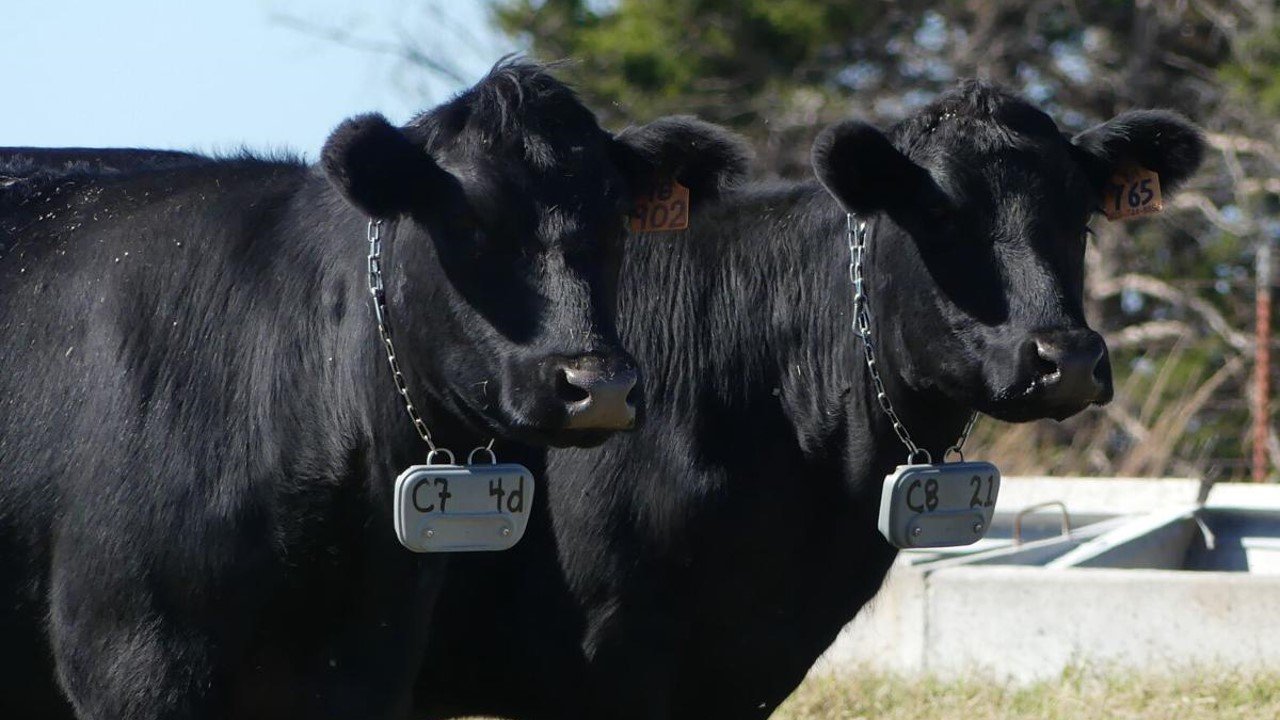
(462,508)
(1133,191)
(938,505)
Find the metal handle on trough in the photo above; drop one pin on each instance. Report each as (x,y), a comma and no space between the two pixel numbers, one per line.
(1017,519)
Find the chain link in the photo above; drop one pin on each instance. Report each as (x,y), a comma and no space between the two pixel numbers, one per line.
(378,290)
(856,234)
(958,448)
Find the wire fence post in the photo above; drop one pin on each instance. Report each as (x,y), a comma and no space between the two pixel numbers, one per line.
(1262,362)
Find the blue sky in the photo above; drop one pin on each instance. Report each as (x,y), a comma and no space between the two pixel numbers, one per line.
(219,75)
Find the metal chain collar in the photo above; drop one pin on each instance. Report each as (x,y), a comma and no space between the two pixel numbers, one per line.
(856,233)
(378,290)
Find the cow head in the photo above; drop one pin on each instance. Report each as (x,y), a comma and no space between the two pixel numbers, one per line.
(506,211)
(978,211)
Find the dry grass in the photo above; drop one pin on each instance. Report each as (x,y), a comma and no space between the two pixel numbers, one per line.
(1078,695)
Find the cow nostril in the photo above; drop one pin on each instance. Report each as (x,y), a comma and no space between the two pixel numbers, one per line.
(1070,366)
(633,395)
(1046,360)
(1100,371)
(598,399)
(567,391)
(1101,366)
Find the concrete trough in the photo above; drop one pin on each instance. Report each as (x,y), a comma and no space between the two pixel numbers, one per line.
(1152,576)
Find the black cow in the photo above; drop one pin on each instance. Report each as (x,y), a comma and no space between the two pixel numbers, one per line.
(697,568)
(198,428)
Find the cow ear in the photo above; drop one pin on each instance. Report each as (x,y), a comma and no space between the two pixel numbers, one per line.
(705,158)
(1157,140)
(862,170)
(377,168)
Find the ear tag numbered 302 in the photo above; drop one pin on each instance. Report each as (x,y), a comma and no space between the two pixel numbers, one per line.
(664,208)
(444,507)
(938,505)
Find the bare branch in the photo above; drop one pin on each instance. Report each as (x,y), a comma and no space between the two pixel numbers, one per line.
(1148,333)
(399,49)
(1153,287)
(1243,144)
(1198,201)
(1265,185)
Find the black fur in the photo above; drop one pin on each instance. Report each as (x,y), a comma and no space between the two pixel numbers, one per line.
(198,429)
(25,161)
(697,568)
(31,165)
(699,155)
(1158,140)
(377,168)
(858,165)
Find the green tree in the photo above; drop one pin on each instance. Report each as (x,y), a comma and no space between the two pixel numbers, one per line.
(772,65)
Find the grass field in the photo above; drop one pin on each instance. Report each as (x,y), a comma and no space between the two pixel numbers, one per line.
(1077,695)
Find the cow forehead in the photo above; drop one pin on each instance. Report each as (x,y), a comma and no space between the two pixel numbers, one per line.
(979,121)
(584,187)
(1026,172)
(559,170)
(985,140)
(538,151)
(977,104)
(522,137)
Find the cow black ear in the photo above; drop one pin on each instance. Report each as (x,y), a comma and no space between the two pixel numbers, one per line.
(705,158)
(1158,140)
(377,168)
(862,170)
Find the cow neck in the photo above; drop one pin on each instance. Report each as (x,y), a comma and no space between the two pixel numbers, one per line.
(910,425)
(755,302)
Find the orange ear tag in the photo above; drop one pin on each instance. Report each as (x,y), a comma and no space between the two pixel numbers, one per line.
(664,208)
(1132,192)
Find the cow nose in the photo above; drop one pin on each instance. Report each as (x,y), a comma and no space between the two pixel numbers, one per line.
(1071,367)
(598,395)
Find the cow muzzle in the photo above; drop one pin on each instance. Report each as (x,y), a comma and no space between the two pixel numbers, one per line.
(597,395)
(1071,370)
